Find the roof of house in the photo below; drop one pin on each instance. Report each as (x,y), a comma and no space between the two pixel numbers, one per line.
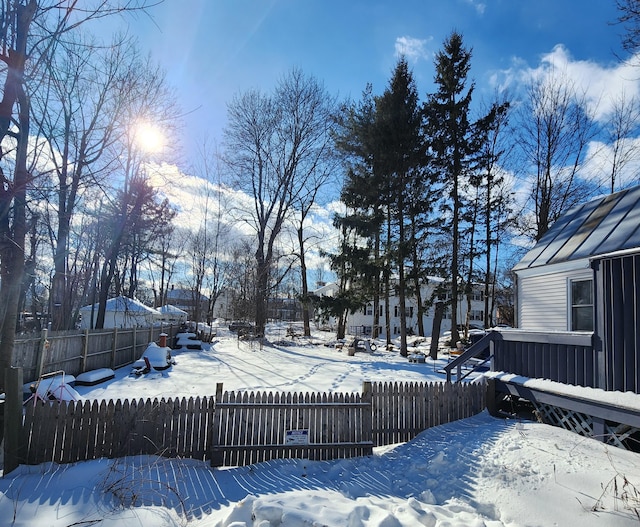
(123,304)
(601,226)
(168,309)
(184,295)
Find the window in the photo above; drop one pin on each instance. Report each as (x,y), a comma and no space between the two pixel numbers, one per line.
(477,295)
(395,311)
(581,305)
(369,310)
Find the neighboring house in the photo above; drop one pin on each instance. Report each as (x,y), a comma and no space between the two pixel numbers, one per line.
(286,309)
(121,312)
(172,315)
(584,276)
(361,322)
(186,300)
(322,320)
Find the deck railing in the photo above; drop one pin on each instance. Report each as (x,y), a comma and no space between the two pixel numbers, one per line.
(567,357)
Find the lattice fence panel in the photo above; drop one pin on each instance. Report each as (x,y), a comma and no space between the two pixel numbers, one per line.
(582,424)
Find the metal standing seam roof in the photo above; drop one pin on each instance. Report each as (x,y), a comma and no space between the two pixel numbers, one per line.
(603,225)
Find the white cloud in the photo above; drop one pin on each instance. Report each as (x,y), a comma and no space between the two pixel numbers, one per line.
(599,162)
(480,7)
(412,48)
(601,85)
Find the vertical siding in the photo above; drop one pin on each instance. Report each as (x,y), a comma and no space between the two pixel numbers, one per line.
(619,321)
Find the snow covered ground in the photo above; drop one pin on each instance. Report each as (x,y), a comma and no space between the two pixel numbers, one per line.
(477,472)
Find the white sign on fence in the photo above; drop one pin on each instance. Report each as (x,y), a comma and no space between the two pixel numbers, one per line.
(297,437)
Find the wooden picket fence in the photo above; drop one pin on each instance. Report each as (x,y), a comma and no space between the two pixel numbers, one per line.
(239,428)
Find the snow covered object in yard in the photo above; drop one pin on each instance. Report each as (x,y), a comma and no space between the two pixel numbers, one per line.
(187,340)
(56,387)
(172,314)
(159,358)
(93,377)
(121,312)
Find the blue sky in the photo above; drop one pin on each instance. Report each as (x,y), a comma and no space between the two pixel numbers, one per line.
(213,49)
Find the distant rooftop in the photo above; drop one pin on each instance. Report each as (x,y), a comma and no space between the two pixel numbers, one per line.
(604,225)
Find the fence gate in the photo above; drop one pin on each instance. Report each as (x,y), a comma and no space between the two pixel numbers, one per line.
(254,427)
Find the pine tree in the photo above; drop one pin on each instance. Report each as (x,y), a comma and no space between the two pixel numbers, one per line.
(357,142)
(449,131)
(398,124)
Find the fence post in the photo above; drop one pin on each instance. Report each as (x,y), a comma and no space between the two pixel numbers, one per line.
(114,347)
(85,349)
(12,418)
(367,417)
(216,456)
(491,398)
(134,344)
(42,348)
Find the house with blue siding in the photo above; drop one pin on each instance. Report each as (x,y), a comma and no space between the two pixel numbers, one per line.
(584,276)
(577,338)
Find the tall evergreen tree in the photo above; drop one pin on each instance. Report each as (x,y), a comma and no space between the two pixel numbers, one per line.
(357,142)
(449,131)
(398,123)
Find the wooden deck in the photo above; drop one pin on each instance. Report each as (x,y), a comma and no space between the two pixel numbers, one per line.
(584,411)
(568,359)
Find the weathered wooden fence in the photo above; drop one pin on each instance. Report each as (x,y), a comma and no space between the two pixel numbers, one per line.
(77,351)
(241,428)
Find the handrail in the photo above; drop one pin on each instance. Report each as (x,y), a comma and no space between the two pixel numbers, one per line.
(471,353)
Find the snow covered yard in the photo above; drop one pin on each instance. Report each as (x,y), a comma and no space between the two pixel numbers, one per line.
(479,471)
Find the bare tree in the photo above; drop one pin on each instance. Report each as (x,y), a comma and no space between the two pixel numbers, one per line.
(29,33)
(147,99)
(619,129)
(210,260)
(162,266)
(271,148)
(311,102)
(554,133)
(630,19)
(77,116)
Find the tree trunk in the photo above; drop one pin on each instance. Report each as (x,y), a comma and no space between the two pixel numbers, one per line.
(401,279)
(262,288)
(435,331)
(375,330)
(305,285)
(12,249)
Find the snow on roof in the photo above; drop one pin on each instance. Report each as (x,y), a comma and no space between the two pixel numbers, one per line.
(124,304)
(171,310)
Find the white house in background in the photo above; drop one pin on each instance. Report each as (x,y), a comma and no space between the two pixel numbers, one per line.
(361,322)
(121,312)
(172,315)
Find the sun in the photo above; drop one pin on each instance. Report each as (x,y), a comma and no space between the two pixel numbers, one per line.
(149,137)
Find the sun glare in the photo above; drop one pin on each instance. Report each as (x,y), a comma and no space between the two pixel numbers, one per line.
(149,137)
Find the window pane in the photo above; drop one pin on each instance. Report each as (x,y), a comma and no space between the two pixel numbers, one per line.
(582,318)
(581,293)
(582,305)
